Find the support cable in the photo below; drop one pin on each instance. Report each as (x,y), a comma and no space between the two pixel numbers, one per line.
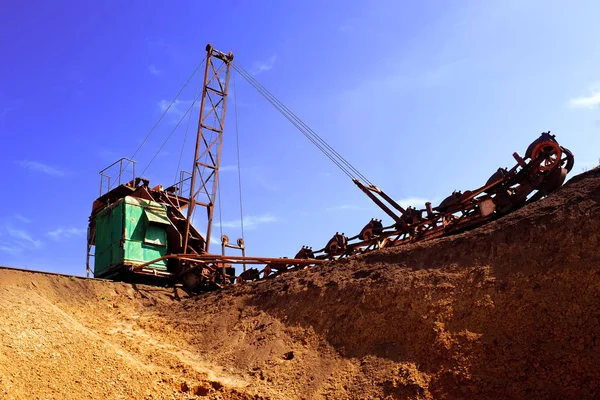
(186,131)
(220,213)
(170,134)
(307,131)
(278,105)
(324,144)
(166,111)
(297,125)
(237,141)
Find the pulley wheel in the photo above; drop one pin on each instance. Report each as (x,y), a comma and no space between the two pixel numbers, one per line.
(549,154)
(334,249)
(367,234)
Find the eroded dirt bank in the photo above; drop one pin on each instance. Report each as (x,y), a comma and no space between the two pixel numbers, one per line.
(509,310)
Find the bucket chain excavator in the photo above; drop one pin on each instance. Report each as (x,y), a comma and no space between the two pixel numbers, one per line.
(145,234)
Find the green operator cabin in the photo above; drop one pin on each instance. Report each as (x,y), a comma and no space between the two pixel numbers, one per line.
(130,232)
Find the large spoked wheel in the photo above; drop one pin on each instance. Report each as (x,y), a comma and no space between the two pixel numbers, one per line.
(549,154)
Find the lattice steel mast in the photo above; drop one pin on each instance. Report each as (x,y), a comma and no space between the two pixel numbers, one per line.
(207,156)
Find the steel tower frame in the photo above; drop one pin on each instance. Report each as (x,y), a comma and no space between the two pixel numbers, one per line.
(209,140)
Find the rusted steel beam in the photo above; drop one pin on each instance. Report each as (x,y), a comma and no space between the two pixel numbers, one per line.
(381,205)
(215,258)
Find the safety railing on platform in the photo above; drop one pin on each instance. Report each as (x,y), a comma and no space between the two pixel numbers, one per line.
(116,174)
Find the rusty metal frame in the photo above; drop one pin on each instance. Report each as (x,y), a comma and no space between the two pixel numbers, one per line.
(90,240)
(209,140)
(184,177)
(122,169)
(216,258)
(104,177)
(543,169)
(225,244)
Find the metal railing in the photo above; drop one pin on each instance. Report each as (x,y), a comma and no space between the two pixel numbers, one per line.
(184,184)
(111,178)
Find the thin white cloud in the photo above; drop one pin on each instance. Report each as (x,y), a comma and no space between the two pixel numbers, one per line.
(22,237)
(263,180)
(160,42)
(163,105)
(66,233)
(352,106)
(22,219)
(178,108)
(36,166)
(153,70)
(344,207)
(5,112)
(12,250)
(228,168)
(591,101)
(251,221)
(348,25)
(263,66)
(416,202)
(14,106)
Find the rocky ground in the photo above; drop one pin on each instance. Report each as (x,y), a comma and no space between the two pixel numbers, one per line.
(508,310)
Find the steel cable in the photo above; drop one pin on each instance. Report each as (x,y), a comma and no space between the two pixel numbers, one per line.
(166,110)
(325,147)
(295,121)
(187,129)
(237,141)
(170,134)
(297,124)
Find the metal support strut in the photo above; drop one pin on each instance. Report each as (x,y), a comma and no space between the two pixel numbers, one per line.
(209,140)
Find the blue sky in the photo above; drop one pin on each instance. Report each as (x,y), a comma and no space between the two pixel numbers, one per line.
(422,97)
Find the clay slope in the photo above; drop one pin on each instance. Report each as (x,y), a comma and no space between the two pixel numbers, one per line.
(509,310)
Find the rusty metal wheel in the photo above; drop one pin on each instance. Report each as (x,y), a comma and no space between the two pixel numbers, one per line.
(334,249)
(367,234)
(191,280)
(549,154)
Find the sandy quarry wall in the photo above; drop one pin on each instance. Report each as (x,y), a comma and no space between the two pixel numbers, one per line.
(509,310)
